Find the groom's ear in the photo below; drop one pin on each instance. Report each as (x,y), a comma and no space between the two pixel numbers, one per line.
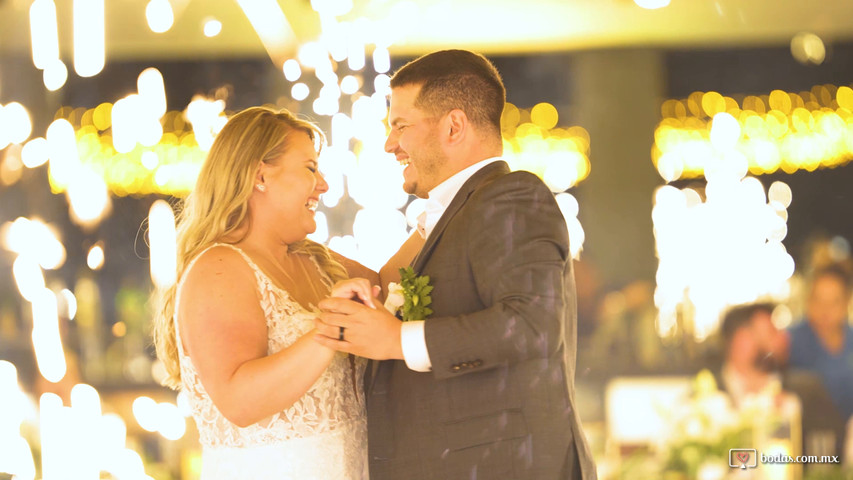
(457,126)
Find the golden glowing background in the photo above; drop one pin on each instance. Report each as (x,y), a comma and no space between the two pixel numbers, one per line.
(490,26)
(681,139)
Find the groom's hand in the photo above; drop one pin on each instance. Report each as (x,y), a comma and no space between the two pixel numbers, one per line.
(368,332)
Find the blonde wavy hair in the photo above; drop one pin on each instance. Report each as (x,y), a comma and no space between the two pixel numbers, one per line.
(219,205)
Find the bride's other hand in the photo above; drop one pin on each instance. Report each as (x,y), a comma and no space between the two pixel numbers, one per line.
(356,289)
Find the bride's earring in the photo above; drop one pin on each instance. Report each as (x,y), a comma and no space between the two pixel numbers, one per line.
(261,187)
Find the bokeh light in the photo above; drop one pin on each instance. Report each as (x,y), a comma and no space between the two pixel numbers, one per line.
(652,4)
(89,37)
(35,153)
(212,27)
(95,257)
(808,48)
(300,91)
(44,34)
(55,74)
(719,251)
(160,15)
(769,133)
(16,124)
(163,241)
(291,69)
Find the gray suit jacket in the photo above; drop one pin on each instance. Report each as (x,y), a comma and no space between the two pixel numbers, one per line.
(499,403)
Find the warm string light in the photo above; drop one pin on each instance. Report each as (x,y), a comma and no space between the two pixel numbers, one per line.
(15,124)
(88,196)
(136,147)
(533,142)
(207,118)
(89,37)
(212,27)
(160,16)
(722,245)
(168,167)
(96,257)
(788,131)
(44,33)
(652,4)
(721,250)
(34,239)
(80,439)
(165,418)
(47,341)
(16,457)
(163,240)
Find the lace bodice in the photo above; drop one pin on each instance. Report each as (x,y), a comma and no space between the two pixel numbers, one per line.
(331,404)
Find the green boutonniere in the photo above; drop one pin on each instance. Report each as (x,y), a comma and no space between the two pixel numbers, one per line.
(411,295)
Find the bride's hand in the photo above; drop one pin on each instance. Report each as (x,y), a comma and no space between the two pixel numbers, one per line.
(356,289)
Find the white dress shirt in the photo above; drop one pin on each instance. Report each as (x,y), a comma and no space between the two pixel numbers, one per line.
(412,335)
(740,391)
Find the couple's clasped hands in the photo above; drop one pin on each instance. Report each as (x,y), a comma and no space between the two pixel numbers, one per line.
(353,312)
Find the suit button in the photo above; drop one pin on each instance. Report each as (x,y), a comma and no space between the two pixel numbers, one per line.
(477,363)
(455,368)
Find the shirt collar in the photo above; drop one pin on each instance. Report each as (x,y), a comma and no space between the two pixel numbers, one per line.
(443,193)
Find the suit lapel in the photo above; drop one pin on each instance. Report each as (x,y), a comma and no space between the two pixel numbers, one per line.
(484,175)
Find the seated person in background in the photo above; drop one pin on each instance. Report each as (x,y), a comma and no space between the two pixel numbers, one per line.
(750,365)
(823,343)
(754,352)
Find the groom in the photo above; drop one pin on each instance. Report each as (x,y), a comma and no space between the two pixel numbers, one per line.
(484,387)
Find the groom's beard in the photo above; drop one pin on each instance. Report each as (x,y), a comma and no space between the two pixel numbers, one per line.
(426,164)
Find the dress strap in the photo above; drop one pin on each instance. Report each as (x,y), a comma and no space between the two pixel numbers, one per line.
(189,267)
(243,254)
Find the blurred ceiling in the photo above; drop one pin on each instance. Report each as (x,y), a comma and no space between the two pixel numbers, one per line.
(490,26)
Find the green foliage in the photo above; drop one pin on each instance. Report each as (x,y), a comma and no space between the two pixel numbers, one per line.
(690,454)
(416,291)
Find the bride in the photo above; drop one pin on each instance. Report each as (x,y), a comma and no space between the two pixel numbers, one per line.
(236,332)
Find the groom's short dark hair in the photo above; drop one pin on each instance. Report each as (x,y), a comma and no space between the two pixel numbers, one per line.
(451,79)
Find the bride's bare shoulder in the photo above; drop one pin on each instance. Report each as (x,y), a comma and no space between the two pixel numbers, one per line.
(219,268)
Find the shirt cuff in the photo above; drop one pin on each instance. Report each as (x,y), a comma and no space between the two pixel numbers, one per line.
(414,346)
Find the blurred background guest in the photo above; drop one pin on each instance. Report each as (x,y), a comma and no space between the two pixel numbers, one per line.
(751,347)
(753,366)
(823,342)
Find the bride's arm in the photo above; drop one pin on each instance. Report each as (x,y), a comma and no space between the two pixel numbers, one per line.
(356,270)
(390,272)
(224,332)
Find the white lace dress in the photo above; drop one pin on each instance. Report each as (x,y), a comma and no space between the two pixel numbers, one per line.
(321,436)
